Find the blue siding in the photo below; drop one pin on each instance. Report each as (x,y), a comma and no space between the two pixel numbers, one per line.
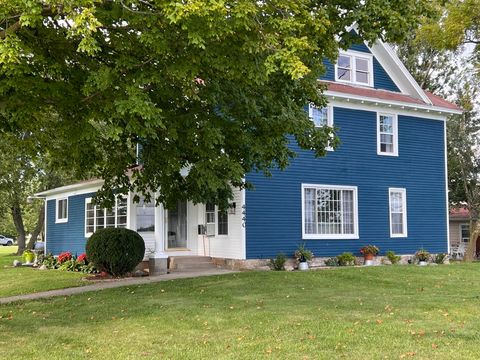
(381,79)
(273,213)
(69,236)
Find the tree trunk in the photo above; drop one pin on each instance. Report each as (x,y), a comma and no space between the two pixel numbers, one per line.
(472,242)
(18,221)
(38,228)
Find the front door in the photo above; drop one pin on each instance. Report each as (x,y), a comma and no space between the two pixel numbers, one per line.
(177,226)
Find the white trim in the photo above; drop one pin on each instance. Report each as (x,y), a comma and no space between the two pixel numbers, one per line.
(355,235)
(45,226)
(375,107)
(403,191)
(395,134)
(74,189)
(57,219)
(243,225)
(447,215)
(329,114)
(388,58)
(391,103)
(352,54)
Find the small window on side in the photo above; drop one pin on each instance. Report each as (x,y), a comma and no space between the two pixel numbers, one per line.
(62,210)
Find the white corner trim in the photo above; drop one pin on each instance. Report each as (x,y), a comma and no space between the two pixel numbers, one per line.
(446,186)
(57,219)
(403,191)
(395,134)
(353,236)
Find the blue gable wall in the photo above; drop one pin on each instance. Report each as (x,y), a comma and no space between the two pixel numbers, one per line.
(69,236)
(381,79)
(273,213)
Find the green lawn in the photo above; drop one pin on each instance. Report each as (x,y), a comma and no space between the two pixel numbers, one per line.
(385,312)
(16,281)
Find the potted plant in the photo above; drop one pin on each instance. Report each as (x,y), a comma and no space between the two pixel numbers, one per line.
(28,256)
(303,255)
(369,252)
(422,256)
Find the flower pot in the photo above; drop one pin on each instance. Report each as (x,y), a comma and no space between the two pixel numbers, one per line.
(422,263)
(303,266)
(369,257)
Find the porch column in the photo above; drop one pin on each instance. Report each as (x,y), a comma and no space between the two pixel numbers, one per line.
(158,260)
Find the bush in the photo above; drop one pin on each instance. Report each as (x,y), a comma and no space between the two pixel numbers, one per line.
(346,259)
(48,260)
(440,258)
(116,251)
(331,262)
(64,257)
(394,259)
(278,263)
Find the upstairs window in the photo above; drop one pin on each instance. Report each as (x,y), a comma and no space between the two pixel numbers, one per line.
(387,134)
(321,116)
(62,210)
(97,217)
(355,68)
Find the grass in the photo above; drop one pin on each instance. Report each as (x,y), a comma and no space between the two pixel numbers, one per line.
(390,312)
(17,281)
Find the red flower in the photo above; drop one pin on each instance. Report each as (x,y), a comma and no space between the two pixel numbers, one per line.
(82,258)
(65,256)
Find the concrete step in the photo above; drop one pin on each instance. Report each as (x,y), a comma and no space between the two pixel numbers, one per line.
(190,263)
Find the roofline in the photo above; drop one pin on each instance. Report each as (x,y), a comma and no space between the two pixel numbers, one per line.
(72,187)
(393,55)
(401,104)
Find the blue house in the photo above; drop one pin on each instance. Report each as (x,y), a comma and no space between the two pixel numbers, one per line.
(386,184)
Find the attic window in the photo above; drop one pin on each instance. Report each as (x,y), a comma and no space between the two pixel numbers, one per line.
(355,68)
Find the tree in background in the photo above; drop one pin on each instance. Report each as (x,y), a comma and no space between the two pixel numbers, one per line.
(23,174)
(436,56)
(215,87)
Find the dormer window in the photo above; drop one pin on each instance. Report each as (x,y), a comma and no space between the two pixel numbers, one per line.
(355,68)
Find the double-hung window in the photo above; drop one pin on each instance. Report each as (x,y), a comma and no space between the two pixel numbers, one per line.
(321,116)
(97,217)
(398,212)
(465,233)
(216,220)
(62,210)
(354,67)
(329,212)
(387,134)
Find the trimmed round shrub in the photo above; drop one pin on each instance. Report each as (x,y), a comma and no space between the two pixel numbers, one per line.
(116,251)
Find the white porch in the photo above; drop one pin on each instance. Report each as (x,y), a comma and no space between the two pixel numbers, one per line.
(175,232)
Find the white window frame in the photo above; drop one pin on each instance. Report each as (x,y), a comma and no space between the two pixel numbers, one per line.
(215,223)
(329,119)
(311,107)
(89,200)
(331,236)
(356,54)
(395,134)
(460,229)
(57,218)
(403,191)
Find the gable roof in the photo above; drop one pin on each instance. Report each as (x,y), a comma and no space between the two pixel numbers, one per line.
(411,94)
